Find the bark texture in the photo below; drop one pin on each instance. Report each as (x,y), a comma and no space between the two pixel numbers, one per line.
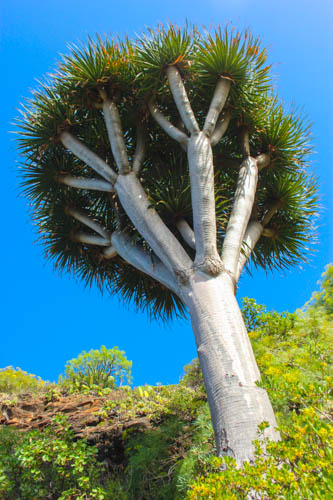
(229,368)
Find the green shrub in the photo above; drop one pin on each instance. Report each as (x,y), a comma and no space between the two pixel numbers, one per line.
(97,370)
(15,381)
(299,466)
(49,465)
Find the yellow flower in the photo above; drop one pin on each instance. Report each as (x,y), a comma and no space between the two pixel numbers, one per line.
(323,433)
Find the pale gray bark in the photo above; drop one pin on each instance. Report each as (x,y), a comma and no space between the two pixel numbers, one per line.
(116,135)
(228,365)
(217,104)
(200,160)
(149,224)
(186,231)
(142,260)
(92,224)
(91,239)
(240,214)
(263,161)
(91,159)
(167,126)
(221,128)
(244,141)
(139,150)
(253,233)
(109,252)
(84,183)
(251,238)
(181,100)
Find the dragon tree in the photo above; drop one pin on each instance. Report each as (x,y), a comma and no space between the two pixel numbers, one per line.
(160,168)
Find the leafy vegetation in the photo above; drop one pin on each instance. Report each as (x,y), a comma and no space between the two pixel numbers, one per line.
(171,456)
(49,464)
(96,370)
(15,380)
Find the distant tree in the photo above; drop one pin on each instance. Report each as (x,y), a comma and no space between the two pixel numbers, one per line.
(158,168)
(104,368)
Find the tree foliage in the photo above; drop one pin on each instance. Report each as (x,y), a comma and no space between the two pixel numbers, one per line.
(133,74)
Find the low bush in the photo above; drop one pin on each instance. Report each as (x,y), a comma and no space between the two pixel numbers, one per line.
(49,465)
(15,381)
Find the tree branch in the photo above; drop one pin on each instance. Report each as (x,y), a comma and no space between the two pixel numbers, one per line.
(91,239)
(240,214)
(92,159)
(87,221)
(269,233)
(116,136)
(186,231)
(253,233)
(140,259)
(217,104)
(167,126)
(244,141)
(180,97)
(109,252)
(220,128)
(84,183)
(139,150)
(149,224)
(251,238)
(200,158)
(263,161)
(271,212)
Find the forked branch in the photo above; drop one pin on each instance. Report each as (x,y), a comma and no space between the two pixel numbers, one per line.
(200,158)
(140,259)
(132,196)
(167,126)
(149,224)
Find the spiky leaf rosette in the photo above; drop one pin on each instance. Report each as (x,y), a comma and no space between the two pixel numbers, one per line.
(131,74)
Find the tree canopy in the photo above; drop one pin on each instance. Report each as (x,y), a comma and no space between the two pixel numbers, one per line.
(133,73)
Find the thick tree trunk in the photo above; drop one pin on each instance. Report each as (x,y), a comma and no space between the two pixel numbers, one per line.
(229,368)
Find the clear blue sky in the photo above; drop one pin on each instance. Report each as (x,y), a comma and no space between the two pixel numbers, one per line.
(47,319)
